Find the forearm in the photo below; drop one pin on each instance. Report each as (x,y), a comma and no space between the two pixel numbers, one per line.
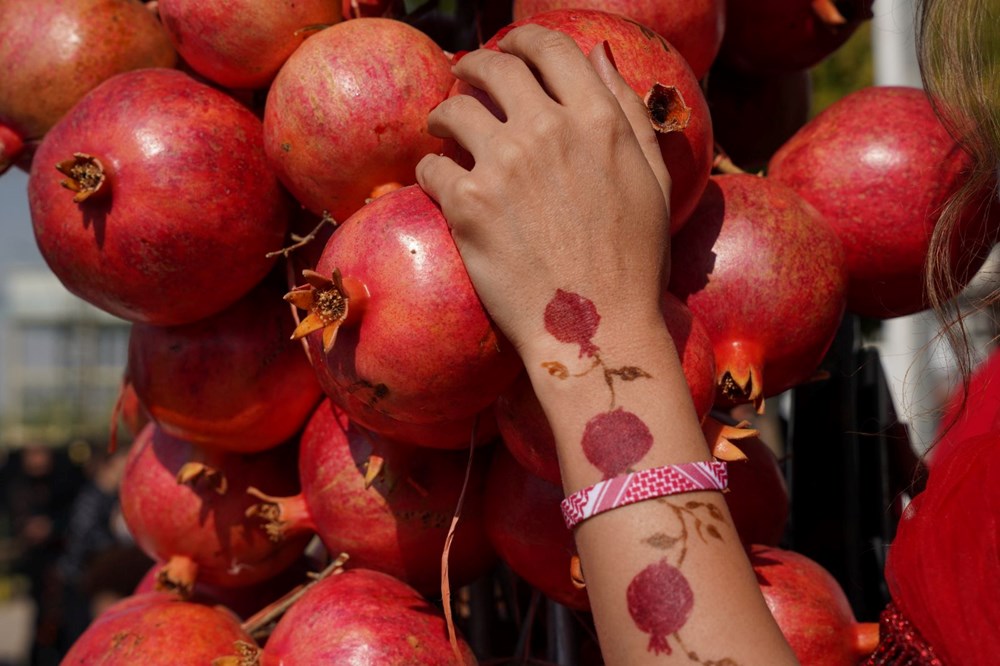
(668,577)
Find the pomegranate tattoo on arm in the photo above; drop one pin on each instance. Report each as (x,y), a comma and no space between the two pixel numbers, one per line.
(660,598)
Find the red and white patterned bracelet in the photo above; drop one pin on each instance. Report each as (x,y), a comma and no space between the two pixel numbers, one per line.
(632,487)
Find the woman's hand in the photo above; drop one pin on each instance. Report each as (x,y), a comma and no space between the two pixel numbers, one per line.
(569,192)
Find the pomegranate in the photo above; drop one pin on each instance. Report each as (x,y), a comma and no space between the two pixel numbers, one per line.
(525,525)
(879,165)
(942,566)
(201,533)
(362,617)
(522,421)
(403,330)
(175,207)
(763,35)
(245,600)
(232,381)
(811,609)
(753,114)
(242,44)
(348,112)
(661,77)
(755,257)
(53,52)
(156,628)
(694,28)
(387,505)
(758,496)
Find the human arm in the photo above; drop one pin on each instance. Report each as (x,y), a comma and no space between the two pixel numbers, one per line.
(563,226)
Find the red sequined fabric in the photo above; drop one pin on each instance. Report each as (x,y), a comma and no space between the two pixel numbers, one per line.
(900,644)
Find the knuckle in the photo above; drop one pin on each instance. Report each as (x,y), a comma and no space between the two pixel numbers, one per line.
(551,41)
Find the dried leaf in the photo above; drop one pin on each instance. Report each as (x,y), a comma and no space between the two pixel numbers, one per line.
(629,373)
(661,540)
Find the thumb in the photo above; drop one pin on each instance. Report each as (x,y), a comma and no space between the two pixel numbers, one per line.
(635,110)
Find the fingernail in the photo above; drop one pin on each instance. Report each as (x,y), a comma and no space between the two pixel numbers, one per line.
(611,56)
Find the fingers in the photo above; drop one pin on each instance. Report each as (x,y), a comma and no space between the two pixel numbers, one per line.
(558,60)
(437,176)
(504,77)
(635,110)
(466,120)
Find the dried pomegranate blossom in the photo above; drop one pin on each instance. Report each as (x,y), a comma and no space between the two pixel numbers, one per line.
(573,319)
(660,601)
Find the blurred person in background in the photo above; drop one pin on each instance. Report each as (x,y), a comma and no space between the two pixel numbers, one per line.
(39,487)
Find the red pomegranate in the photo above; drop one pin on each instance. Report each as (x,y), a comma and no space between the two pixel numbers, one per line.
(525,525)
(765,274)
(348,112)
(677,106)
(232,381)
(402,330)
(753,114)
(245,600)
(242,44)
(52,52)
(811,609)
(157,628)
(758,496)
(362,617)
(177,514)
(879,165)
(525,429)
(174,207)
(387,505)
(763,35)
(695,28)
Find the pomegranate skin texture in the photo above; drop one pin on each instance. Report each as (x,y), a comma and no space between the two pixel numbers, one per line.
(232,381)
(388,505)
(362,617)
(179,227)
(879,166)
(199,531)
(525,525)
(693,26)
(242,43)
(52,52)
(157,629)
(645,59)
(762,270)
(348,112)
(811,609)
(417,344)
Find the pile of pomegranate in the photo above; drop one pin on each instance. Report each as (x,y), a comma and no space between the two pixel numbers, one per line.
(236,179)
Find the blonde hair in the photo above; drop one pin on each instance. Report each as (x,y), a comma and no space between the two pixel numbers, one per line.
(958,44)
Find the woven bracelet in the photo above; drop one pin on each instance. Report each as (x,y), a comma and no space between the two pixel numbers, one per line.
(647,484)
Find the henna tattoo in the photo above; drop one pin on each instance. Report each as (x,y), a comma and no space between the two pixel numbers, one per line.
(660,598)
(660,601)
(614,441)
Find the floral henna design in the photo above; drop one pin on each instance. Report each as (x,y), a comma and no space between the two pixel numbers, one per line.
(615,440)
(660,598)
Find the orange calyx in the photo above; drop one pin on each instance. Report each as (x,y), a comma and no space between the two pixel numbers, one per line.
(84,175)
(195,472)
(827,12)
(666,108)
(722,438)
(330,302)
